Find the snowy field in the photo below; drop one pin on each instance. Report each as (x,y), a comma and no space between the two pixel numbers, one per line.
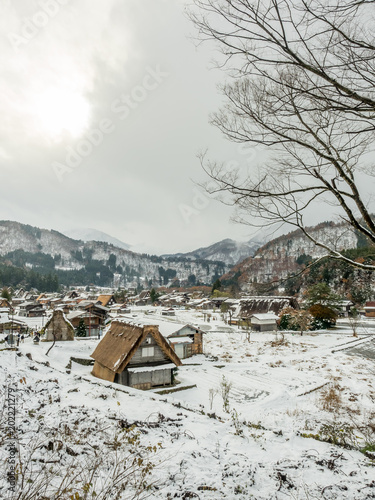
(272,418)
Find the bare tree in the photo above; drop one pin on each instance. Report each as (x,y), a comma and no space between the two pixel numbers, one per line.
(53,334)
(354,320)
(301,84)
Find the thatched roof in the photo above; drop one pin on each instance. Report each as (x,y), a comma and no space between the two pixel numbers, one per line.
(261,305)
(58,315)
(104,299)
(121,342)
(5,303)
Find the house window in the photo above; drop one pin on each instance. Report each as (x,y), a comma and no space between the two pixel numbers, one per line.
(147,352)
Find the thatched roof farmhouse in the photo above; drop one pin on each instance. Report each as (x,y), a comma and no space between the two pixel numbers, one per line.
(136,355)
(261,305)
(58,327)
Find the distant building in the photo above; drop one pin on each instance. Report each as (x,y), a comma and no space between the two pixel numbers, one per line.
(249,306)
(107,300)
(264,322)
(370,309)
(168,312)
(187,341)
(58,327)
(10,325)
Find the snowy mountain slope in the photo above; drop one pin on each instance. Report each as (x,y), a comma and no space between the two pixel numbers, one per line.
(89,234)
(70,254)
(277,258)
(15,236)
(339,236)
(229,251)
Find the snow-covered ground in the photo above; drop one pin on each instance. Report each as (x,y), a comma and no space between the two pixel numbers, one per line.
(265,440)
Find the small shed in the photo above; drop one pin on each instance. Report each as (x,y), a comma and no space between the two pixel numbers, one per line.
(58,327)
(187,341)
(266,322)
(168,312)
(136,355)
(370,309)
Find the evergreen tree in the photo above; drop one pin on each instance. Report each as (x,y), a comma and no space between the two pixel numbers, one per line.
(5,294)
(154,295)
(216,286)
(322,294)
(323,304)
(81,328)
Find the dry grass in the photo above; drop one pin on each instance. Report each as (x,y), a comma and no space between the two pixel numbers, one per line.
(293,413)
(330,399)
(276,364)
(279,340)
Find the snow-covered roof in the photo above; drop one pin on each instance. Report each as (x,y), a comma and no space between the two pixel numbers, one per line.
(76,314)
(166,328)
(142,369)
(129,320)
(4,320)
(265,316)
(180,340)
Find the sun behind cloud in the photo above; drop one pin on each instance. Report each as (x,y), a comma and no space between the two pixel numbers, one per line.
(49,80)
(57,111)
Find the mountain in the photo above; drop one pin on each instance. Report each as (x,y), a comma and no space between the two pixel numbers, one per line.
(88,234)
(76,262)
(284,255)
(94,262)
(228,251)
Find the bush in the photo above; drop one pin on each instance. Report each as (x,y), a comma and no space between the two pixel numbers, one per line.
(324,317)
(296,320)
(286,322)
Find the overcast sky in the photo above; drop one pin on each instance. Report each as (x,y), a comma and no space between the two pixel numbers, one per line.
(104,107)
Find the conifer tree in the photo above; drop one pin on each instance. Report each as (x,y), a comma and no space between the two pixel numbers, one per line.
(81,328)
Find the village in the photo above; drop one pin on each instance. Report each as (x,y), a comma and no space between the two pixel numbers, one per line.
(152,331)
(206,384)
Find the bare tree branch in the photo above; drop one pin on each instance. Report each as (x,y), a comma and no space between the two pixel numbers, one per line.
(301,83)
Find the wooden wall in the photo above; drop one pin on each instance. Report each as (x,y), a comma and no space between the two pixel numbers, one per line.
(159,356)
(102,372)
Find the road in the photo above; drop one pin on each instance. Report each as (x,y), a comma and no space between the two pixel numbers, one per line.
(367,349)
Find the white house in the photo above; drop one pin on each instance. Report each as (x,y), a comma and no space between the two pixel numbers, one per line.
(266,322)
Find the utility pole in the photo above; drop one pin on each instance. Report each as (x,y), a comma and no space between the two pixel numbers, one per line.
(11,326)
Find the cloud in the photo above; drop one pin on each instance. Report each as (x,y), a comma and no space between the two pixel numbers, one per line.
(60,84)
(50,53)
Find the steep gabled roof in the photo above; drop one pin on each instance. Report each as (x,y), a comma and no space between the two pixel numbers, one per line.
(261,305)
(187,325)
(121,342)
(5,303)
(59,314)
(104,299)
